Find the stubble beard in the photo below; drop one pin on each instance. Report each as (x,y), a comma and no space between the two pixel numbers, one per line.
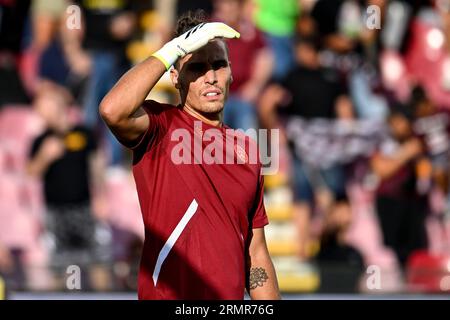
(212,107)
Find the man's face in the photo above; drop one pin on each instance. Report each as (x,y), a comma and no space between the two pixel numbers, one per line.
(400,127)
(53,110)
(228,11)
(204,78)
(306,55)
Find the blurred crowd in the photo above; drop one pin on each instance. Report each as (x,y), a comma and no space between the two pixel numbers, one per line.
(359,89)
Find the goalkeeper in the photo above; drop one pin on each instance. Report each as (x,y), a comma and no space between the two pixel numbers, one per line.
(204,223)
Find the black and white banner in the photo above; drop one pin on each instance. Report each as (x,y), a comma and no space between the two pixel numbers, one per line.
(322,143)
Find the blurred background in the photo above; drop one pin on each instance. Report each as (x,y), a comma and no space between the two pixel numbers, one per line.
(360,91)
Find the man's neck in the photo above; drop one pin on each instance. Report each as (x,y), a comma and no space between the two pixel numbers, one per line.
(214,119)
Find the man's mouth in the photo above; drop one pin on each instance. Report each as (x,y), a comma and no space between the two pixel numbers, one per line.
(212,94)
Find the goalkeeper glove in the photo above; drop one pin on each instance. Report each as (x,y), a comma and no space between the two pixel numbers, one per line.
(193,40)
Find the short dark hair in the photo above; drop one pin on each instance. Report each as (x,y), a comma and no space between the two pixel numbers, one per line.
(401,109)
(311,40)
(189,20)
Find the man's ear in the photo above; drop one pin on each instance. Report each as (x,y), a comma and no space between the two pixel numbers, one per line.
(174,77)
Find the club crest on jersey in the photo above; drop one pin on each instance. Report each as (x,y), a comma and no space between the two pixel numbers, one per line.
(240,154)
(223,146)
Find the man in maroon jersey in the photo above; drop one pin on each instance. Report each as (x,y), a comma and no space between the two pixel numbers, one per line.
(204,235)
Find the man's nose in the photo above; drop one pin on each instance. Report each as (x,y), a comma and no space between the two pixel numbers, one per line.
(210,76)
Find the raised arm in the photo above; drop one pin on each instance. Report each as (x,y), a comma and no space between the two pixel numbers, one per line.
(262,281)
(52,148)
(121,108)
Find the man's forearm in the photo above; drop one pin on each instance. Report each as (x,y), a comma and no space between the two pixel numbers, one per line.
(262,68)
(262,281)
(37,166)
(126,97)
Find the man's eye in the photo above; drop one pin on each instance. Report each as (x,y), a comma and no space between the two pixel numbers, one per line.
(220,64)
(197,67)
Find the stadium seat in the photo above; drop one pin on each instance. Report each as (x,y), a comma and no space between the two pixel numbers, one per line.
(426,59)
(123,204)
(428,272)
(295,276)
(18,126)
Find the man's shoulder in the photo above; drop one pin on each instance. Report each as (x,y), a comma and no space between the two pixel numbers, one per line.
(161,111)
(158,107)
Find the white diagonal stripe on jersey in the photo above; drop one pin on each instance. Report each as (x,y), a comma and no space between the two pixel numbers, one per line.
(173,238)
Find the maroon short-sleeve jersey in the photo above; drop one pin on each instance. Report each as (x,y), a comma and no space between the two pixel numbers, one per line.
(198,215)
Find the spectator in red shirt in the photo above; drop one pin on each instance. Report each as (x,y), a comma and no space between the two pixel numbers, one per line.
(400,205)
(251,62)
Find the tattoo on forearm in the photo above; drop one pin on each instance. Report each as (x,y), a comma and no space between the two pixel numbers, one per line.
(257,278)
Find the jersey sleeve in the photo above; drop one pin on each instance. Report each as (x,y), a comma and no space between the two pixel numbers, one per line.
(259,216)
(157,127)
